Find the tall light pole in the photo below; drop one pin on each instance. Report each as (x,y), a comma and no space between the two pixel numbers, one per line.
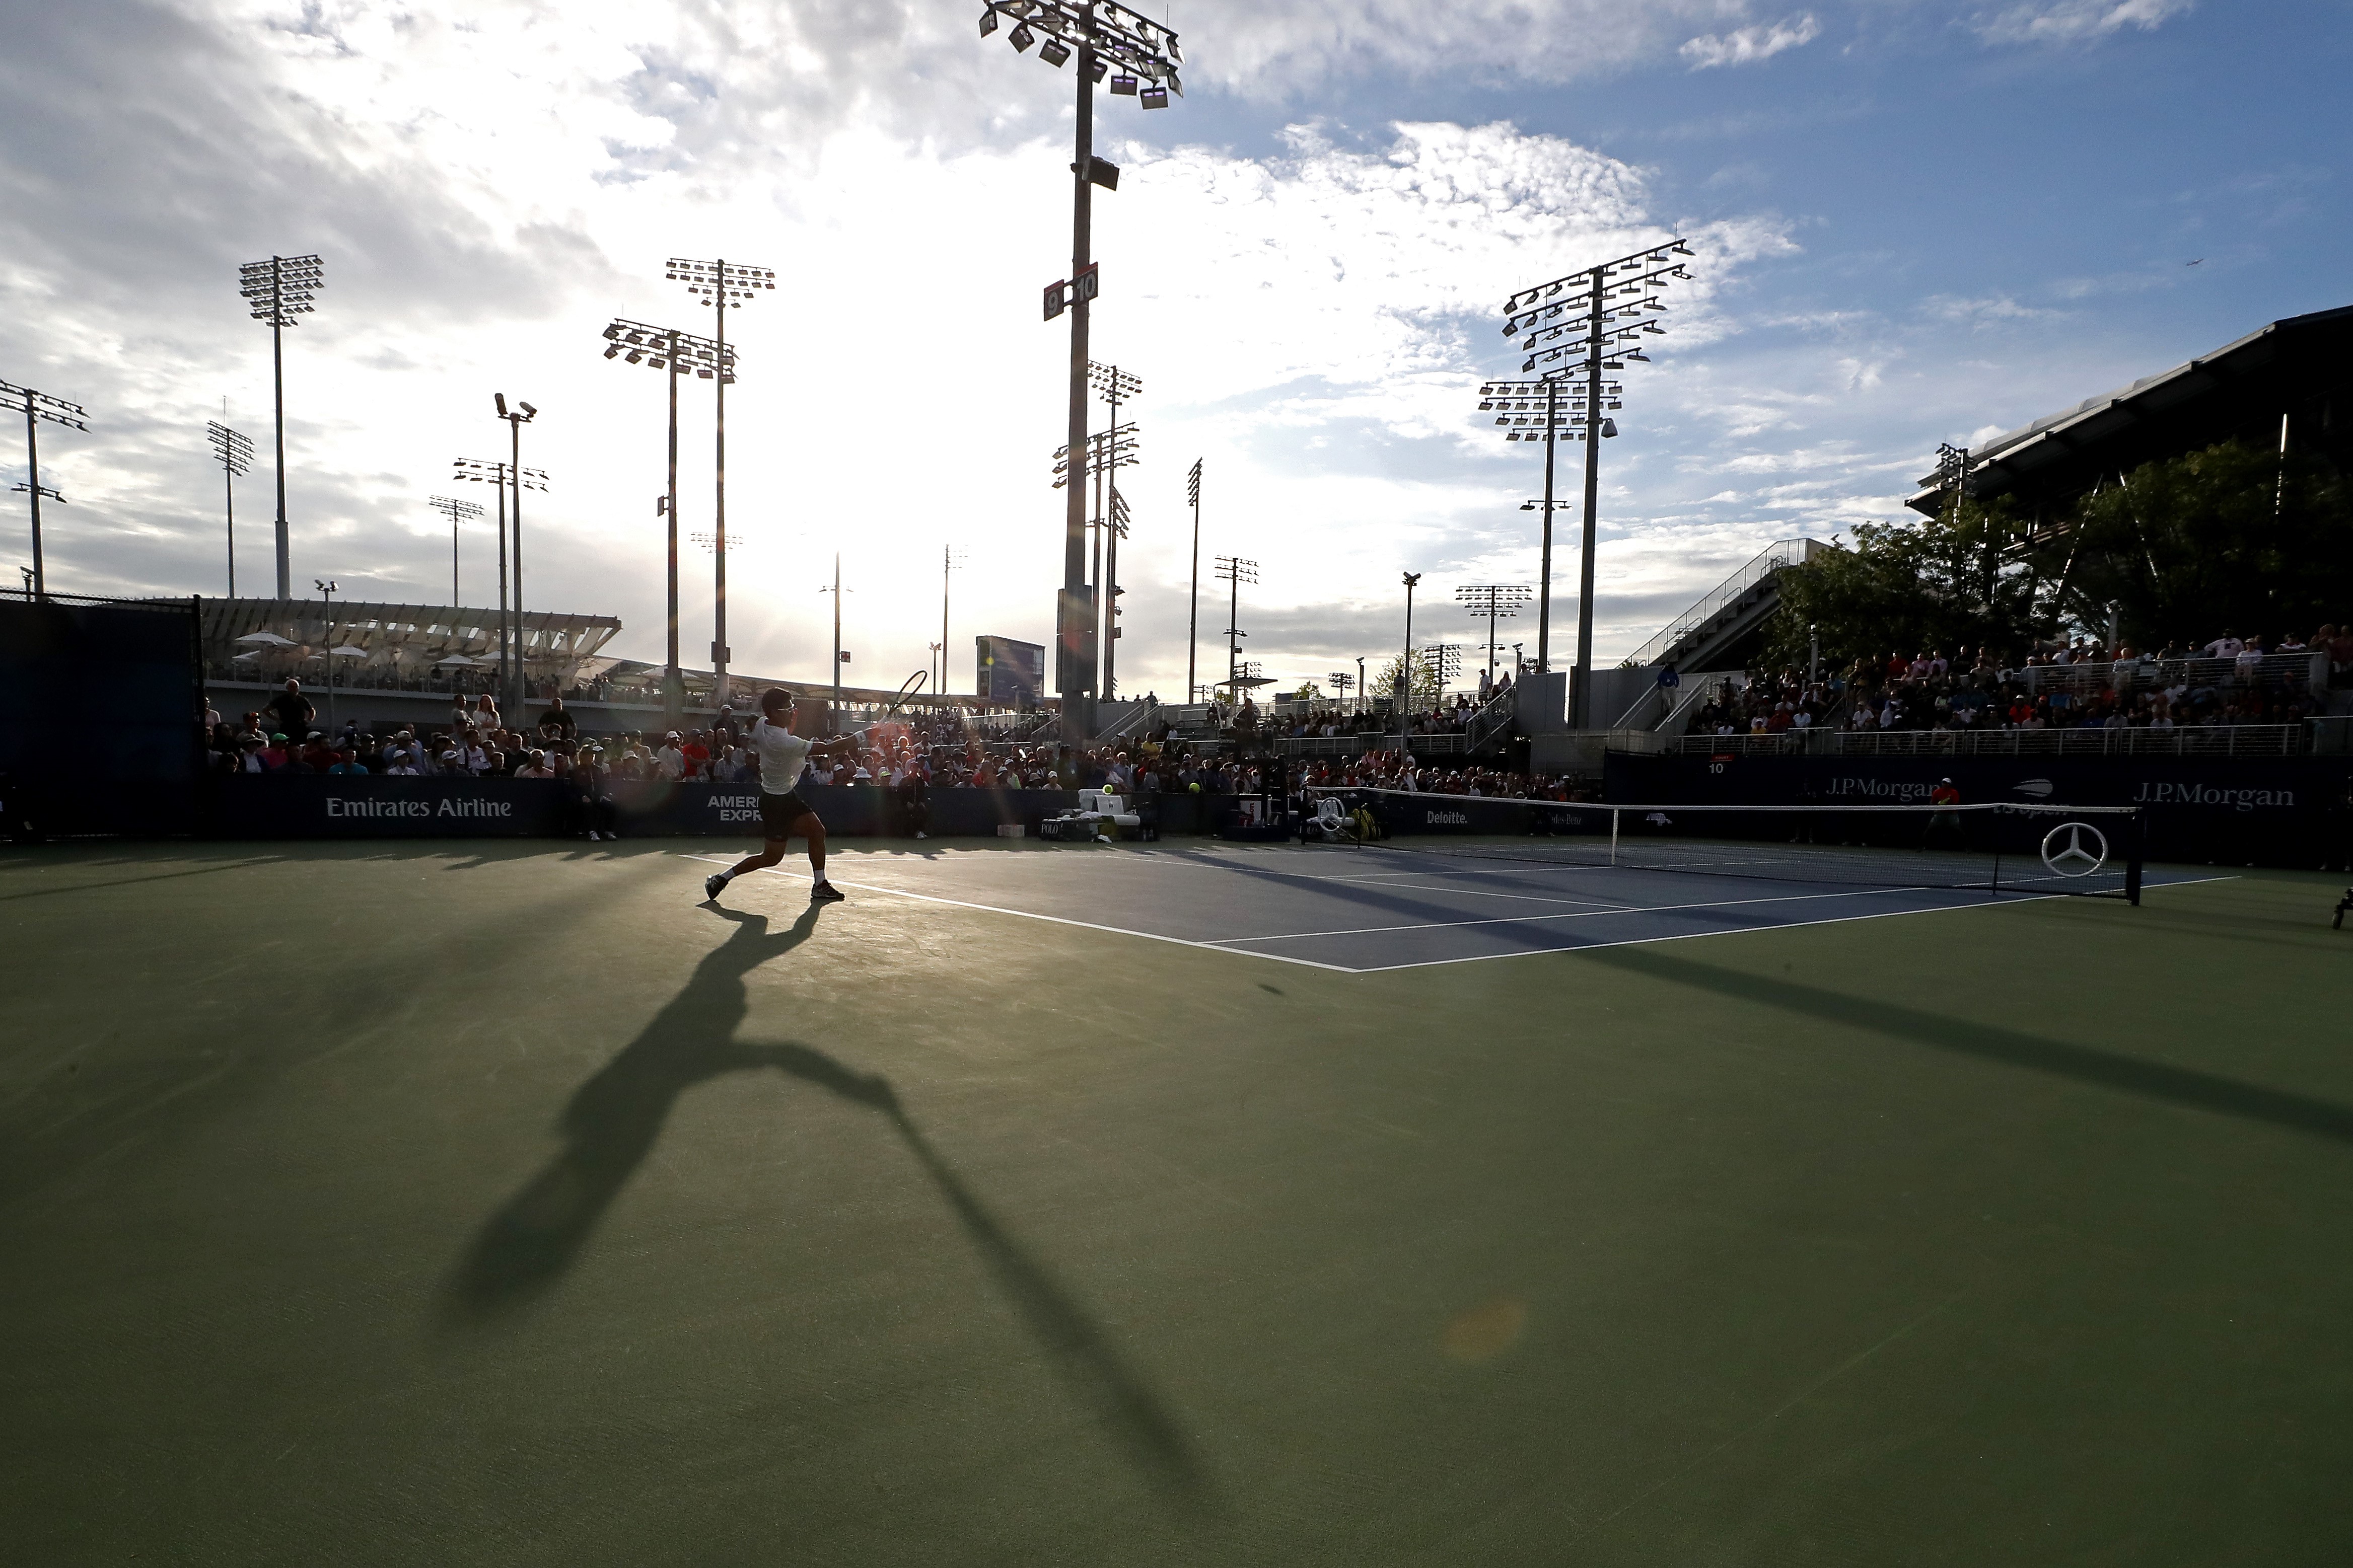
(1550,410)
(1361,697)
(1596,327)
(1117,529)
(234,452)
(674,353)
(950,559)
(1107,452)
(280,291)
(327,655)
(1115,387)
(723,286)
(1446,657)
(38,408)
(1235,570)
(457,511)
(1193,603)
(1341,682)
(1405,667)
(836,591)
(1106,36)
(1495,601)
(517,682)
(503,474)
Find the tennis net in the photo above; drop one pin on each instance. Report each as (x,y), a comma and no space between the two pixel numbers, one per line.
(2089,850)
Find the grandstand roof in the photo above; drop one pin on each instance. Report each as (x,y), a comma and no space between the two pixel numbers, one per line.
(2300,368)
(408,636)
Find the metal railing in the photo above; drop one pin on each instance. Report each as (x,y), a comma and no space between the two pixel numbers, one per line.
(2272,669)
(2189,741)
(1776,557)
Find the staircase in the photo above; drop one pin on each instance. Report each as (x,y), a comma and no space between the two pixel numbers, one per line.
(1713,629)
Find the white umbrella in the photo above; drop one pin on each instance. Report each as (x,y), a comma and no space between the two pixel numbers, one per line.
(454,661)
(348,651)
(240,658)
(270,638)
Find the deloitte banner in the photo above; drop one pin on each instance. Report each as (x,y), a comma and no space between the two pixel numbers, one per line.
(2286,811)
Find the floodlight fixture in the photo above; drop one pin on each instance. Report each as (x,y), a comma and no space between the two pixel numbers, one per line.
(723,286)
(39,408)
(458,513)
(1140,58)
(671,351)
(1495,601)
(281,291)
(1573,328)
(1193,602)
(506,477)
(1234,570)
(233,450)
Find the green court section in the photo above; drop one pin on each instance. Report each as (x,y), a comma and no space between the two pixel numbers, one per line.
(501,1205)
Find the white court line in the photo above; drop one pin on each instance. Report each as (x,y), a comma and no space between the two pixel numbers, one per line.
(1629,910)
(1742,931)
(1386,879)
(1032,915)
(2000,901)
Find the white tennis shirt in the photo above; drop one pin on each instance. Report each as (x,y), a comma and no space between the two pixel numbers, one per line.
(783,755)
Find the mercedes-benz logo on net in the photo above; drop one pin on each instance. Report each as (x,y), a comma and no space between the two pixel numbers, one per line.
(2075,850)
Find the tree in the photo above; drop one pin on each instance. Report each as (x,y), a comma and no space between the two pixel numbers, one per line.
(2234,536)
(1940,583)
(1425,680)
(1308,692)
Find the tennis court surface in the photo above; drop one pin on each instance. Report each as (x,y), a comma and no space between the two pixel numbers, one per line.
(1411,902)
(505,1203)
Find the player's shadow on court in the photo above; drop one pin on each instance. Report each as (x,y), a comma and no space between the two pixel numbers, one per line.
(613,1119)
(2160,1082)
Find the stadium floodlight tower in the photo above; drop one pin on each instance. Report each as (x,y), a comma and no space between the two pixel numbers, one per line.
(1193,603)
(1446,659)
(723,286)
(1141,58)
(506,476)
(675,352)
(280,291)
(1108,451)
(950,559)
(37,407)
(234,452)
(521,415)
(458,513)
(1497,601)
(1404,689)
(1589,322)
(1551,410)
(1236,571)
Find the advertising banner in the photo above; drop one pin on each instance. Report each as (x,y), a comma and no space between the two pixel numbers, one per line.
(2286,811)
(325,805)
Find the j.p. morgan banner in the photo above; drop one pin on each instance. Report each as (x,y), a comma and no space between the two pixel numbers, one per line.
(2294,811)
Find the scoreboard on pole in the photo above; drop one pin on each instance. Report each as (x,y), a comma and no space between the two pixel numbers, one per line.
(1012,673)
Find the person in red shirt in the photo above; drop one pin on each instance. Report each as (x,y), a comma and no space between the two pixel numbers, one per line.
(697,752)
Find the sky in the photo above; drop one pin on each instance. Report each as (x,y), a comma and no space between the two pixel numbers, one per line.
(1911,224)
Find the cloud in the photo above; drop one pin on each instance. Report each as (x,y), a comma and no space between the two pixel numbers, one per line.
(1747,46)
(2075,21)
(1983,313)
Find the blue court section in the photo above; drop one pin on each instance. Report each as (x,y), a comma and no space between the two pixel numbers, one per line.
(1359,909)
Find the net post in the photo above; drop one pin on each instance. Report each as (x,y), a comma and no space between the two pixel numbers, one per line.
(2132,860)
(1613,835)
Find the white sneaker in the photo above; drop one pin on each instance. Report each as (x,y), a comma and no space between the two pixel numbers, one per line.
(592,836)
(920,834)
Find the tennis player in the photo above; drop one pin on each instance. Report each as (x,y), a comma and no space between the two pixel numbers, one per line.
(783,813)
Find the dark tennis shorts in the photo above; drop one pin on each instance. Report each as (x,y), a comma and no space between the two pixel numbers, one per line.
(779,812)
